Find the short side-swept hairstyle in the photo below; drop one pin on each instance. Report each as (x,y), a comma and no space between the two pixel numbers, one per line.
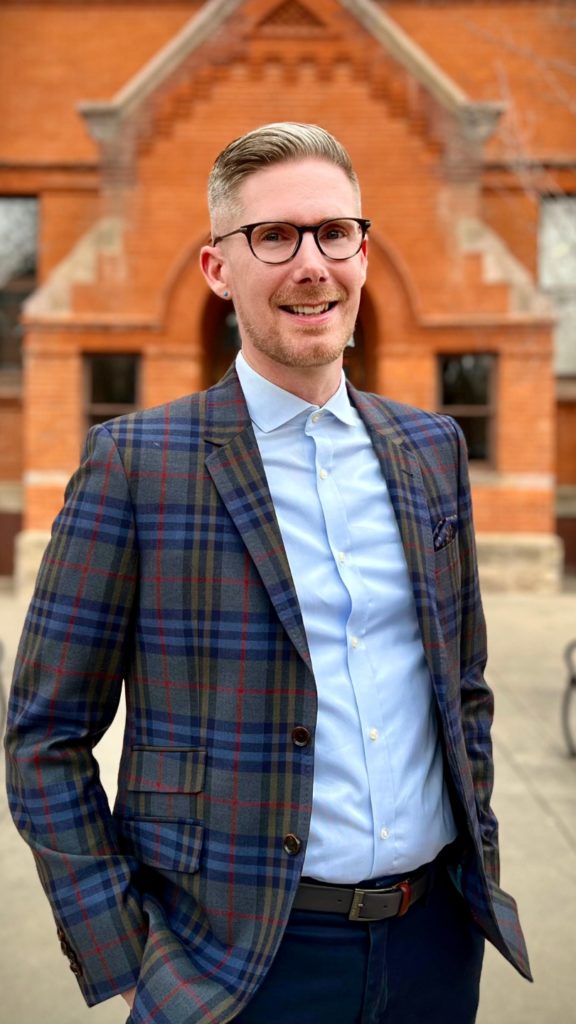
(270,144)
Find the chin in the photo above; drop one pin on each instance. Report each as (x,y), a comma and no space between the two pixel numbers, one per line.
(314,355)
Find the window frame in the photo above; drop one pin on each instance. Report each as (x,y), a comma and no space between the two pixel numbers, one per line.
(463,410)
(104,411)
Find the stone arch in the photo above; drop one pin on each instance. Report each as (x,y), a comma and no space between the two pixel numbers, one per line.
(183,295)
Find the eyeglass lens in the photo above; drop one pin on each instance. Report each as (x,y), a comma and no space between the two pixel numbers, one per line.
(337,239)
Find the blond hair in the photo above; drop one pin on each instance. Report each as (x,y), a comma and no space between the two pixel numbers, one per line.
(270,144)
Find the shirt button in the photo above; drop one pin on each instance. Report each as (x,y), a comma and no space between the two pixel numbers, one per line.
(341,557)
(323,474)
(355,641)
(301,736)
(384,833)
(292,844)
(373,734)
(317,416)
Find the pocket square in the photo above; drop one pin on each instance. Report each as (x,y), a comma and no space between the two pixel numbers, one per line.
(445,532)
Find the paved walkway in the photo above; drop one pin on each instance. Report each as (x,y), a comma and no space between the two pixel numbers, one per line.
(535,799)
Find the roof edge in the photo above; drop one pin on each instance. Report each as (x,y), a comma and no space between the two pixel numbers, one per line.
(103,117)
(478,120)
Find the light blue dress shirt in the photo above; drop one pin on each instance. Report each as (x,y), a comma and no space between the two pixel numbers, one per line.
(380,803)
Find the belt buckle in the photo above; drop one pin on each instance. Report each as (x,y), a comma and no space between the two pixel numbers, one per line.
(405,888)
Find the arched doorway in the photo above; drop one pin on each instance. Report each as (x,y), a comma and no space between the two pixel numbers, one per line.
(222,341)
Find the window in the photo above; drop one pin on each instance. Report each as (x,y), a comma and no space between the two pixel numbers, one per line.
(467,392)
(18,258)
(112,386)
(557,274)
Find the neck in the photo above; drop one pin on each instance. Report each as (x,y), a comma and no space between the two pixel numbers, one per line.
(313,384)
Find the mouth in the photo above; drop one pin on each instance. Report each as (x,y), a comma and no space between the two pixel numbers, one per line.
(309,310)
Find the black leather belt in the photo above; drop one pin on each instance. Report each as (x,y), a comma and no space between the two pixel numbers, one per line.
(362,904)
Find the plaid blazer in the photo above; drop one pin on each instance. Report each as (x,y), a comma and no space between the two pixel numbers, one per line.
(166,569)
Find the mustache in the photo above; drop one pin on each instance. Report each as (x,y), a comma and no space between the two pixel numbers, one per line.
(308,297)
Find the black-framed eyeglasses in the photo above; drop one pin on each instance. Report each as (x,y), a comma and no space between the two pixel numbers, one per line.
(279,241)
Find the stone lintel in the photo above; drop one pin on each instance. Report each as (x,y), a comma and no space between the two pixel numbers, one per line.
(11,496)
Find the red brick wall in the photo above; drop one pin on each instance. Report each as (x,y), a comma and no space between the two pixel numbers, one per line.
(566,443)
(424,296)
(59,54)
(65,217)
(11,455)
(513,214)
(520,52)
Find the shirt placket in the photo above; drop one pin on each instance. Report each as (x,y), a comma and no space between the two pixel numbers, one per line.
(331,490)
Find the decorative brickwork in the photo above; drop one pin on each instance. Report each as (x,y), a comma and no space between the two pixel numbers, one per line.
(291,14)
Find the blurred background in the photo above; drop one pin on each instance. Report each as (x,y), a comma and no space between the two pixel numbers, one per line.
(460,117)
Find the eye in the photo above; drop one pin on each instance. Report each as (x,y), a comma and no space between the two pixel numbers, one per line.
(273,234)
(335,231)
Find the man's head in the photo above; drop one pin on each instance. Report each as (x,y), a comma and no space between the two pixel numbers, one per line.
(296,293)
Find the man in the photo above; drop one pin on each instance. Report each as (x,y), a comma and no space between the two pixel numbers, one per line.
(282,570)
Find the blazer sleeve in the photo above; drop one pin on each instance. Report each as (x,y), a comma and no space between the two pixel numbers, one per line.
(65,693)
(477,699)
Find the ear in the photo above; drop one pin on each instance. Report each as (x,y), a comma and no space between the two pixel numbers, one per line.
(364,260)
(213,266)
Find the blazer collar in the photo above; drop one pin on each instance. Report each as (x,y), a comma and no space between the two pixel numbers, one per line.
(236,468)
(411,503)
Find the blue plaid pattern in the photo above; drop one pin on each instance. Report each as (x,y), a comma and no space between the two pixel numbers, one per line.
(166,569)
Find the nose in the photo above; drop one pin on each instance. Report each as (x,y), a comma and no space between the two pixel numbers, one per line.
(309,265)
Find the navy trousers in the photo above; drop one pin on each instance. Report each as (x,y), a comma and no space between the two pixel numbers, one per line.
(422,968)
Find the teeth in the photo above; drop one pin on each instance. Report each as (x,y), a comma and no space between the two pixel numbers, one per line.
(309,310)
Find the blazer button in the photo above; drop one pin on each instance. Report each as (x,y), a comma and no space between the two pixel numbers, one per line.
(301,736)
(292,844)
(76,968)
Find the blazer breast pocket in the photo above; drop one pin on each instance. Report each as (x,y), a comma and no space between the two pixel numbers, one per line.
(445,532)
(164,782)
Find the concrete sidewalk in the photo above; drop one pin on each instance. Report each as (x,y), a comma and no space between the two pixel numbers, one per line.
(535,799)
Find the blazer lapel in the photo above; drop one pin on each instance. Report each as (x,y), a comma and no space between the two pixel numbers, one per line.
(238,474)
(401,470)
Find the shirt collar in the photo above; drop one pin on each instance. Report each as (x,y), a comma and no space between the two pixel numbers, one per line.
(271,407)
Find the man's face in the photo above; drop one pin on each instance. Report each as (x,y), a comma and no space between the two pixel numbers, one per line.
(268,299)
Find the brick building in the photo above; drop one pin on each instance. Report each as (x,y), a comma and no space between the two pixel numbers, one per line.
(460,119)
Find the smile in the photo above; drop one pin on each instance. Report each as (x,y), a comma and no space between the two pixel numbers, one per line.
(323,307)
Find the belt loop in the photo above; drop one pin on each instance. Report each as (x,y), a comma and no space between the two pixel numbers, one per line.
(406,890)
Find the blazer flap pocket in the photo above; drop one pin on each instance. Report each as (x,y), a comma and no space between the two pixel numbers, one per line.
(167,769)
(172,845)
